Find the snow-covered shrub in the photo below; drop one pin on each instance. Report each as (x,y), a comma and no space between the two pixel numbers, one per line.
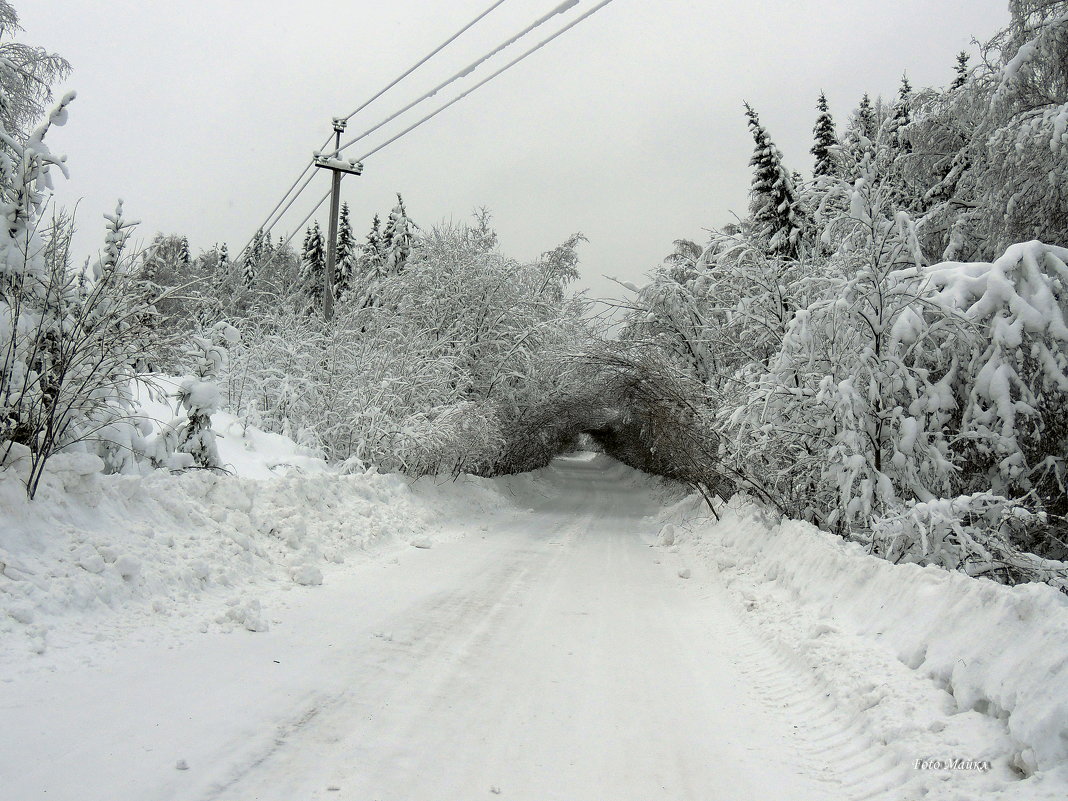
(1012,388)
(460,438)
(69,340)
(450,343)
(978,534)
(200,395)
(990,151)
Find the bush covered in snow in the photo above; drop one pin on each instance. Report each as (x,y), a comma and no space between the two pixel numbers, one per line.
(847,367)
(430,362)
(70,339)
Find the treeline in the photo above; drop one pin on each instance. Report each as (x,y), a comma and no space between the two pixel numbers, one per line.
(881,349)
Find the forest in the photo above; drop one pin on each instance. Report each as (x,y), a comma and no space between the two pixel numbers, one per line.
(877,345)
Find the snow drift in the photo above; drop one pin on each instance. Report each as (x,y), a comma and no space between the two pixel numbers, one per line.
(998,651)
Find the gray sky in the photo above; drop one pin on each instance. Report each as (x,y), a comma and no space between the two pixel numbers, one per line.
(628,128)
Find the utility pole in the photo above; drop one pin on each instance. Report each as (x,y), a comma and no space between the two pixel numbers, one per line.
(338,167)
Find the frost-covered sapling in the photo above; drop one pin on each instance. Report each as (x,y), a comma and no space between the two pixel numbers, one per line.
(200,396)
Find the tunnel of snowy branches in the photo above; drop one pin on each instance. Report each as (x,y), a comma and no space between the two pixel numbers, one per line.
(633,408)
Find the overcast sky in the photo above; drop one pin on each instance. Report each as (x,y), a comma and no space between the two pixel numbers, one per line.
(628,128)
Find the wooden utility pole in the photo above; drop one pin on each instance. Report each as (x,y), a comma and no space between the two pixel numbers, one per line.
(338,167)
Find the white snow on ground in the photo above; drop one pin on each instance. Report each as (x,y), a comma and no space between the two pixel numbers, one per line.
(924,663)
(275,635)
(94,550)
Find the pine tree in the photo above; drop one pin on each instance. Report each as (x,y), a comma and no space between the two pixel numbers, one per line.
(224,256)
(345,264)
(773,204)
(961,70)
(825,139)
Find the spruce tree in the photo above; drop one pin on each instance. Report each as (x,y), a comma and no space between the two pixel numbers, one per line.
(313,263)
(344,265)
(866,118)
(249,269)
(900,116)
(773,204)
(825,139)
(224,256)
(256,248)
(373,256)
(397,238)
(961,70)
(183,253)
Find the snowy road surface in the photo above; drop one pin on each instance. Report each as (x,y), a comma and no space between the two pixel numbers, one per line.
(547,654)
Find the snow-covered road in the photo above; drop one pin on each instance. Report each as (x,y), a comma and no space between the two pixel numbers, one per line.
(554,659)
(546,649)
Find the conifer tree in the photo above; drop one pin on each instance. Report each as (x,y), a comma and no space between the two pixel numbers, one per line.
(373,256)
(961,71)
(183,253)
(250,268)
(224,256)
(313,263)
(257,247)
(397,238)
(773,203)
(825,139)
(900,116)
(345,263)
(866,117)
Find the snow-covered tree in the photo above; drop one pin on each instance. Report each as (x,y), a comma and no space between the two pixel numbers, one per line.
(313,264)
(249,267)
(397,238)
(27,74)
(824,139)
(200,395)
(69,339)
(960,69)
(773,205)
(859,136)
(345,261)
(995,144)
(1012,389)
(900,117)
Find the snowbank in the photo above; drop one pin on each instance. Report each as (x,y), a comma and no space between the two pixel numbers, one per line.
(96,552)
(999,652)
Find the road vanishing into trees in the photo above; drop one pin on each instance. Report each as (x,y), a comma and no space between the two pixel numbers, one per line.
(548,653)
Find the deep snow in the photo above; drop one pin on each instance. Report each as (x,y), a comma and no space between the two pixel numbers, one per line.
(575,633)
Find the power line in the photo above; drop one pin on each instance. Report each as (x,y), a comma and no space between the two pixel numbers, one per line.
(267,224)
(423,61)
(483,82)
(304,222)
(560,9)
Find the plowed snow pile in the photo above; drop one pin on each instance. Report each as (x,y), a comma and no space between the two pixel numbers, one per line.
(963,670)
(123,550)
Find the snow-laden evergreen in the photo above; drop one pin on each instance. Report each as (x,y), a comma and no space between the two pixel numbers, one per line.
(825,138)
(774,207)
